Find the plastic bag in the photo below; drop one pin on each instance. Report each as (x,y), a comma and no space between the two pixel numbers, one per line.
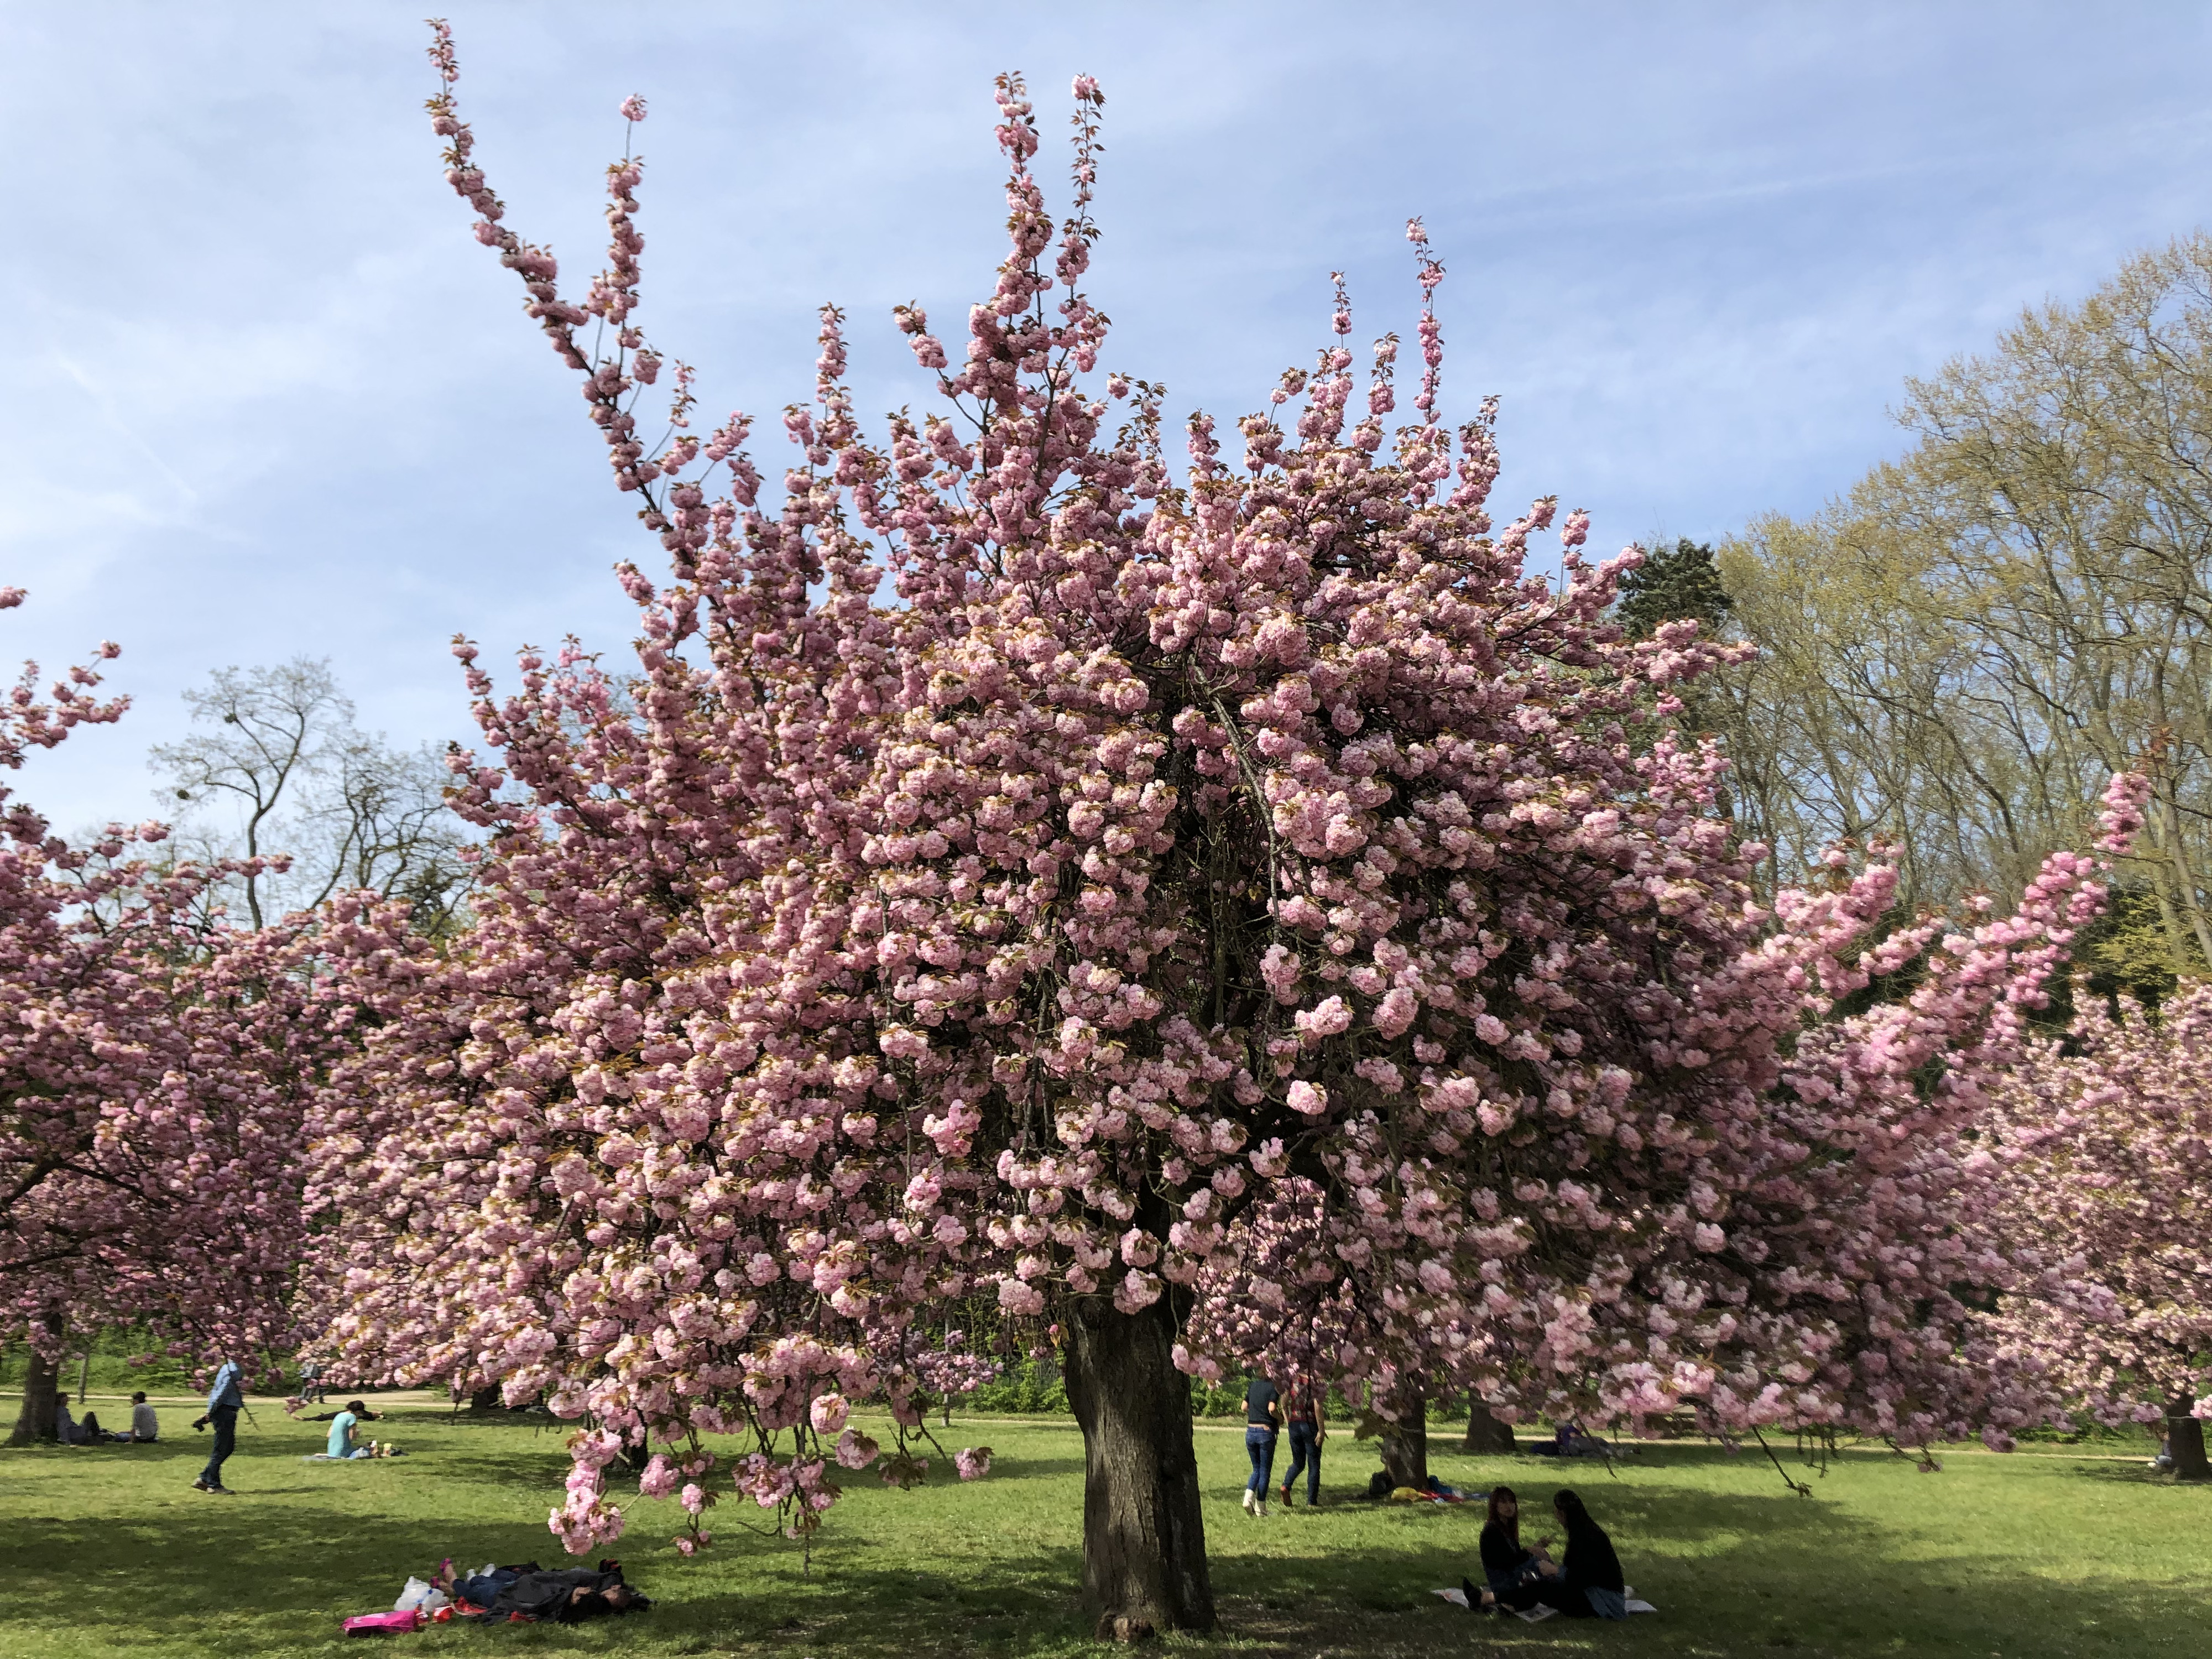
(421,1593)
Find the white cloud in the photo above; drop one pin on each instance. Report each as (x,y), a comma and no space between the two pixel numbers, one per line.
(267,397)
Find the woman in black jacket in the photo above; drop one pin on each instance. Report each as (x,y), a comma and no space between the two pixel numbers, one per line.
(1588,1584)
(1510,1568)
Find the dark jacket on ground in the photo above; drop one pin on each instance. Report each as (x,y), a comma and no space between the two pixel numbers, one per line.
(551,1596)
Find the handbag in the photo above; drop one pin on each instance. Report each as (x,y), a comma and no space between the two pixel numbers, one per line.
(398,1621)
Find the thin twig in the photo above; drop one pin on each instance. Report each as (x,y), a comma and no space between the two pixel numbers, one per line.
(1797,1487)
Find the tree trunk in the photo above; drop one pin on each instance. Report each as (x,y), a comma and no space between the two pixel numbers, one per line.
(1405,1446)
(2186,1440)
(1485,1435)
(1144,1534)
(40,1419)
(485,1399)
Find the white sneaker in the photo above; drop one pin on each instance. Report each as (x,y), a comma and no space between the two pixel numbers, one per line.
(1262,1511)
(1249,1501)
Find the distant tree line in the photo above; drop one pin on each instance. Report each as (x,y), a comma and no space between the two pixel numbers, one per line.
(1958,652)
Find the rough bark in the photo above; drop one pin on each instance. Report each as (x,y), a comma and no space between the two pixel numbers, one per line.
(40,1419)
(1485,1435)
(1405,1446)
(2186,1440)
(1144,1534)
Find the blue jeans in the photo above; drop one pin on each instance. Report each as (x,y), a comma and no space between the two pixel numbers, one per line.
(225,1419)
(482,1589)
(1305,1454)
(1259,1442)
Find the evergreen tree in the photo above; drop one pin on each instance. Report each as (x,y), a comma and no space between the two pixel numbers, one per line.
(1684,581)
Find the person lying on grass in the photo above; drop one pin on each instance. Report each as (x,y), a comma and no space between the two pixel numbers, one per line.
(562,1595)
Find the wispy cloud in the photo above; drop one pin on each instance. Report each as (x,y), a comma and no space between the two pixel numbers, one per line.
(266,397)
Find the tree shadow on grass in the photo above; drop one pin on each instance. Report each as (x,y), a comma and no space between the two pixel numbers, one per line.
(241,1581)
(1732,1574)
(1765,1574)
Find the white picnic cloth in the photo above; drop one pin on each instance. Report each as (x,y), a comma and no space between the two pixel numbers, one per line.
(1457,1597)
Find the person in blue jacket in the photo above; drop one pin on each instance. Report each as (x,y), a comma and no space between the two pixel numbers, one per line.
(226,1398)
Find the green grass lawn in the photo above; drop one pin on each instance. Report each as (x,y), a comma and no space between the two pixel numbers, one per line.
(107,1550)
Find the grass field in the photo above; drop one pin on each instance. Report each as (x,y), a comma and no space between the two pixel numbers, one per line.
(108,1552)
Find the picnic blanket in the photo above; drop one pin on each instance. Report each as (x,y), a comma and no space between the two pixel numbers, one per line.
(1457,1597)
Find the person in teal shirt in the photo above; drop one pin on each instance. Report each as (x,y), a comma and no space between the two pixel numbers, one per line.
(341,1427)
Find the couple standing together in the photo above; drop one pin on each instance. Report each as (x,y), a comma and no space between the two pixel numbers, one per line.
(1268,1411)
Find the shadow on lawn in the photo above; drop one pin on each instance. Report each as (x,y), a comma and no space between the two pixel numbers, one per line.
(1732,1573)
(1770,1574)
(228,1575)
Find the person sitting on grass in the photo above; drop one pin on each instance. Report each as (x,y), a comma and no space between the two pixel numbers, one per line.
(1587,1582)
(1509,1567)
(145,1427)
(342,1424)
(561,1595)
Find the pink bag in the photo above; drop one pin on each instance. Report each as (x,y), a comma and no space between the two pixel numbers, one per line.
(384,1624)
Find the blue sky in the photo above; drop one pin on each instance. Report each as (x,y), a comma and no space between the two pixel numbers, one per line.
(266,397)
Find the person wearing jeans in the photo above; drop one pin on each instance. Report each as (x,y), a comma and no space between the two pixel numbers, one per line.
(1263,1418)
(1307,1432)
(225,1399)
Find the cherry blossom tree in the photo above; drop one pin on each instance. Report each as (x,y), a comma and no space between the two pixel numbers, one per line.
(1149,845)
(154,1066)
(2103,1146)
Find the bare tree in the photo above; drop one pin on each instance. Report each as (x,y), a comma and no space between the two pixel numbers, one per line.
(279,767)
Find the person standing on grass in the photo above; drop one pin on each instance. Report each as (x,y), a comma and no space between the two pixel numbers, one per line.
(145,1427)
(226,1399)
(1309,1428)
(1263,1421)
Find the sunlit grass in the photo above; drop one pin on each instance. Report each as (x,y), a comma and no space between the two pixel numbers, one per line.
(108,1552)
